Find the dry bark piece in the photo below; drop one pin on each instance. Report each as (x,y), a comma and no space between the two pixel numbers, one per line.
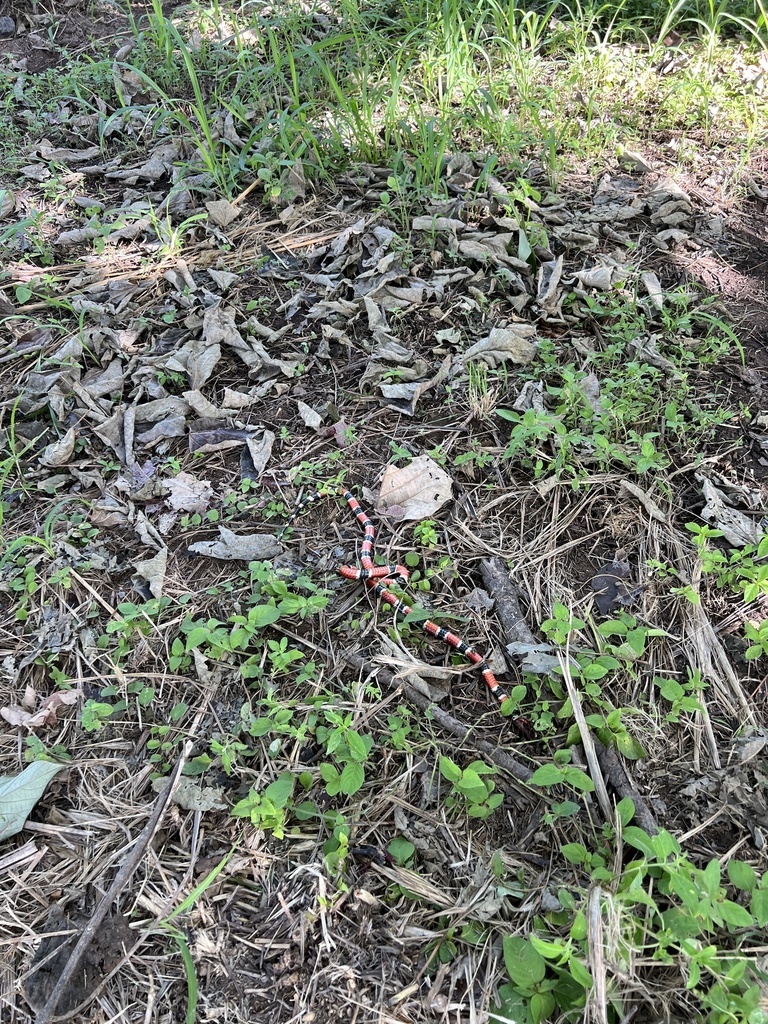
(737,528)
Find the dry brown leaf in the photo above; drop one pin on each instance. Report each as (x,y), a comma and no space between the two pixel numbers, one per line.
(60,452)
(416,491)
(153,571)
(222,213)
(187,493)
(502,344)
(231,547)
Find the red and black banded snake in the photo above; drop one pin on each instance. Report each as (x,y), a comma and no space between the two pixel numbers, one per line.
(380,577)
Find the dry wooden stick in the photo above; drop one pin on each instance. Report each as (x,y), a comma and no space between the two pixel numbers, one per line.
(516,630)
(452,725)
(122,877)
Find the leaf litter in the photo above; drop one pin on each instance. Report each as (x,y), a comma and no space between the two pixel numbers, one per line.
(149,431)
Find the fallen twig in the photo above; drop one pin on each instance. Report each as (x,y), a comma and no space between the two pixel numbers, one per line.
(496,754)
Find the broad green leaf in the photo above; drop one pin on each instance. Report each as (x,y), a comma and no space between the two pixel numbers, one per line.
(328,772)
(625,810)
(352,778)
(281,790)
(549,950)
(578,779)
(401,849)
(356,744)
(449,769)
(542,1005)
(526,967)
(627,745)
(742,875)
(511,1006)
(576,853)
(640,840)
(547,775)
(20,793)
(665,844)
(579,973)
(759,907)
(710,876)
(735,915)
(263,615)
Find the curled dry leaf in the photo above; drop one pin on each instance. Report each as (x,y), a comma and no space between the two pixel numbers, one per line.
(504,343)
(737,528)
(233,547)
(260,451)
(404,397)
(416,491)
(60,452)
(153,571)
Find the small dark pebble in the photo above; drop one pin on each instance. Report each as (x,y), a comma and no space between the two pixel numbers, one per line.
(7,26)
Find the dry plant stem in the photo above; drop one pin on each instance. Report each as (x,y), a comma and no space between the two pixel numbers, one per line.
(443,719)
(587,739)
(598,999)
(616,774)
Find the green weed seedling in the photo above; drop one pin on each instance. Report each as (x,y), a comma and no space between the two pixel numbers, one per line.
(679,695)
(349,750)
(742,570)
(681,916)
(269,810)
(471,788)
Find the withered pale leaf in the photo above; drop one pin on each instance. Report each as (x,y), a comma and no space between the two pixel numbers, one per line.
(20,793)
(187,493)
(416,491)
(504,343)
(311,418)
(153,571)
(192,795)
(60,452)
(231,547)
(198,357)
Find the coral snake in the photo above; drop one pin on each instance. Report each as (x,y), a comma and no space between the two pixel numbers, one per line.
(380,577)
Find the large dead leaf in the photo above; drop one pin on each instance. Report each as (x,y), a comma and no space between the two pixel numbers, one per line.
(231,547)
(153,571)
(20,793)
(187,493)
(416,491)
(504,343)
